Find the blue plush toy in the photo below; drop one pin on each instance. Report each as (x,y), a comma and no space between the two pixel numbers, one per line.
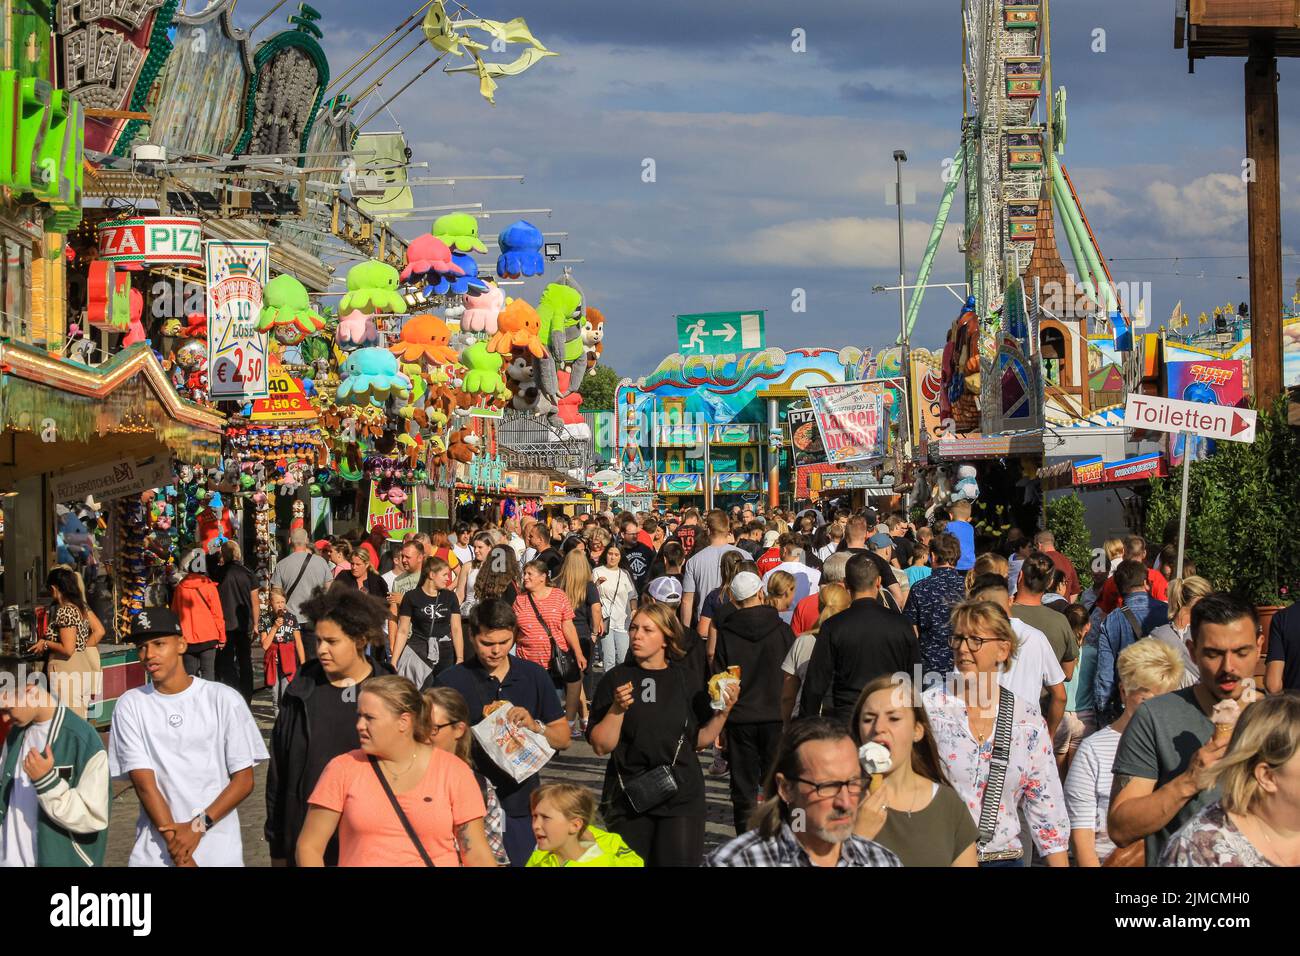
(372,376)
(521,251)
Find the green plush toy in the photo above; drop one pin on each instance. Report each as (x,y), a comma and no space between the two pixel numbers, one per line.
(484,375)
(459,230)
(373,285)
(560,309)
(285,303)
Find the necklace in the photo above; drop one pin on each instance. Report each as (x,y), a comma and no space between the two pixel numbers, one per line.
(1264,827)
(409,765)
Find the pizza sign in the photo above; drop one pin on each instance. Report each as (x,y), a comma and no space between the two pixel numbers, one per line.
(153,240)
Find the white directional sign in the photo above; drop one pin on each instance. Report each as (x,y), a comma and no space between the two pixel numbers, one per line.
(1175,415)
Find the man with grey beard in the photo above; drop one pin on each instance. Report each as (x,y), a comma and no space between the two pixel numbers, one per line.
(810,804)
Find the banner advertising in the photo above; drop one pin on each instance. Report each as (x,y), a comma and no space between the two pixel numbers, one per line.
(114,480)
(1211,382)
(805,439)
(851,419)
(287,402)
(236,350)
(927,384)
(1094,471)
(153,240)
(397,520)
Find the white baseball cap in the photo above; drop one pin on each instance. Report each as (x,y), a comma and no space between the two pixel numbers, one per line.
(745,585)
(665,590)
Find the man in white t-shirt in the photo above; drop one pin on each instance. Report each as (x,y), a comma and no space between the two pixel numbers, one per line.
(1034,672)
(461,547)
(806,579)
(189,747)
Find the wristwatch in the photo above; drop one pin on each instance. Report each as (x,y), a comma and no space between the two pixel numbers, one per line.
(203,823)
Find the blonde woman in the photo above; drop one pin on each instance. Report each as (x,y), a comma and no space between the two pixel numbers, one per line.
(1256,820)
(780,588)
(398,800)
(1147,668)
(831,599)
(575,581)
(963,713)
(988,564)
(1183,595)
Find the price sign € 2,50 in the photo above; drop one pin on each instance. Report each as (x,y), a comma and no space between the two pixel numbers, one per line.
(236,350)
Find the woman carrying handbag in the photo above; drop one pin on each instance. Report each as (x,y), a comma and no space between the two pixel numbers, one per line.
(546,635)
(650,722)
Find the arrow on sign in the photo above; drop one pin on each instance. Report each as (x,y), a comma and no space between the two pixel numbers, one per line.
(728,331)
(1239,424)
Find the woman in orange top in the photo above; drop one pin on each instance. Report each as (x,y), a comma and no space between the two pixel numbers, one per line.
(397,764)
(197,605)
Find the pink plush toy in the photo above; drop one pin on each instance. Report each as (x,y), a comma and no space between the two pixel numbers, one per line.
(357,329)
(428,253)
(481,311)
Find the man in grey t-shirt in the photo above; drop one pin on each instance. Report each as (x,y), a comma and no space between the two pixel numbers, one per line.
(1170,740)
(703,573)
(315,573)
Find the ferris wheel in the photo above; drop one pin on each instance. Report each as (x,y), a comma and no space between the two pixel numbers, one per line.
(1006,62)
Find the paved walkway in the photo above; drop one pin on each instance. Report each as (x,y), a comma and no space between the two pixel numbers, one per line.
(577,765)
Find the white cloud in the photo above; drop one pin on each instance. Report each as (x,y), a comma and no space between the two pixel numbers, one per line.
(1204,208)
(841,243)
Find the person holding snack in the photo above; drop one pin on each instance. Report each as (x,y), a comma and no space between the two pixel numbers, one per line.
(282,647)
(1172,739)
(912,809)
(650,720)
(754,641)
(1256,821)
(563,815)
(494,678)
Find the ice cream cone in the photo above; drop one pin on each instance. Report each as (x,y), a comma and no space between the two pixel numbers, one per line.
(877,781)
(1223,733)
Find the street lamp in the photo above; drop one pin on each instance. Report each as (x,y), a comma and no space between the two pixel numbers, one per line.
(900,157)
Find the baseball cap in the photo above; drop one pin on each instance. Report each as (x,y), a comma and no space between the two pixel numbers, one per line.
(745,585)
(770,538)
(154,622)
(880,540)
(665,590)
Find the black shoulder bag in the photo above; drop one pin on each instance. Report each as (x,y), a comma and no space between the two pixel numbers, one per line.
(401,814)
(655,786)
(564,665)
(997,767)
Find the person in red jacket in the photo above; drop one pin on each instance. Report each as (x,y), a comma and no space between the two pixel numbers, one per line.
(1135,549)
(197,605)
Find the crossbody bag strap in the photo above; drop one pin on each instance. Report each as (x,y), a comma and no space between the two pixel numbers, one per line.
(401,814)
(997,766)
(537,611)
(681,741)
(1133,622)
(293,587)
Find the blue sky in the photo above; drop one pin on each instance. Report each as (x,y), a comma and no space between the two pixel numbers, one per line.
(772,166)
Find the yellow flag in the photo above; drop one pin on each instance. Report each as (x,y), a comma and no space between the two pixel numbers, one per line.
(1178,318)
(437,29)
(487,71)
(512,31)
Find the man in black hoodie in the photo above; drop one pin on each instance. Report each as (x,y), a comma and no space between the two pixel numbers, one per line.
(318,713)
(861,643)
(755,638)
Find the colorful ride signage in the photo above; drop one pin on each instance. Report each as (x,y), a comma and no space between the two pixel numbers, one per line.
(236,351)
(42,138)
(851,419)
(154,240)
(1094,471)
(286,402)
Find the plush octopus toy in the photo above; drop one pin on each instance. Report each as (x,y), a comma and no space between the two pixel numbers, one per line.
(372,288)
(372,377)
(287,312)
(518,326)
(424,339)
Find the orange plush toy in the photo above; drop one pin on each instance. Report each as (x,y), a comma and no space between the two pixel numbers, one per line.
(463,445)
(518,326)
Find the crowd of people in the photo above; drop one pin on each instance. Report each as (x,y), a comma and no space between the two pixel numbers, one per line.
(877,693)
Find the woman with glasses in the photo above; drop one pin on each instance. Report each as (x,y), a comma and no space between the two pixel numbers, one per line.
(915,812)
(450,732)
(964,710)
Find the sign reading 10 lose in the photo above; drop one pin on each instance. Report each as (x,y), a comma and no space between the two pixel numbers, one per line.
(236,350)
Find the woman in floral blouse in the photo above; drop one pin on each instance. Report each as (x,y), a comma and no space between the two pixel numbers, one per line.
(1256,821)
(963,713)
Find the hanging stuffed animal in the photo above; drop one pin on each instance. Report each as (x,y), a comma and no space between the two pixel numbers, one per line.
(967,487)
(372,377)
(560,312)
(481,311)
(426,256)
(287,312)
(521,250)
(459,230)
(424,339)
(593,335)
(517,328)
(372,289)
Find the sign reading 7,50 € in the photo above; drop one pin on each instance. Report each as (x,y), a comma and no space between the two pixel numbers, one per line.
(42,137)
